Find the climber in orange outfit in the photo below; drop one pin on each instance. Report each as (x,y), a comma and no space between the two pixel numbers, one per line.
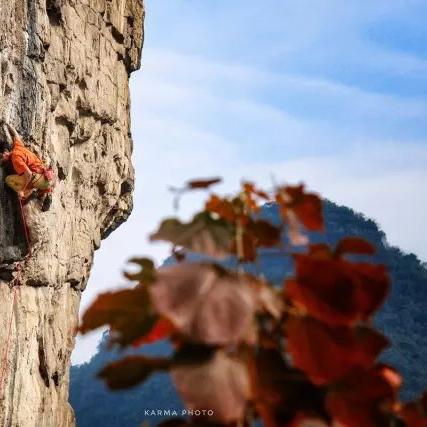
(31,177)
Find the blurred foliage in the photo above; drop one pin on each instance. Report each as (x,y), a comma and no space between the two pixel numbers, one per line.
(250,344)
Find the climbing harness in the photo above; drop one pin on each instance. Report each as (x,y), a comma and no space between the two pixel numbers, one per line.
(16,284)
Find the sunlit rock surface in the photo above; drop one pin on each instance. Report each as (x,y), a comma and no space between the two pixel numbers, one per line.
(64,71)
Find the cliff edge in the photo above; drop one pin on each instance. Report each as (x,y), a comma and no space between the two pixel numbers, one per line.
(64,71)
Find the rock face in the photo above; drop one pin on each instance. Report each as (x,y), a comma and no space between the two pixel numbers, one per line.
(64,70)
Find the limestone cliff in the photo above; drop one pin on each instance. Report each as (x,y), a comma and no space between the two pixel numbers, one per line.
(64,70)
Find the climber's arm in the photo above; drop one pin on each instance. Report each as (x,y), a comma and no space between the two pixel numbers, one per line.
(14,134)
(21,168)
(27,175)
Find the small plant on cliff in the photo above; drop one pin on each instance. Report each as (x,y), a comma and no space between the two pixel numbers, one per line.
(304,354)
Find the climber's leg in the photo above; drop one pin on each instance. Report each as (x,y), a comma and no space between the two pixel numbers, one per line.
(44,190)
(39,182)
(47,202)
(15,182)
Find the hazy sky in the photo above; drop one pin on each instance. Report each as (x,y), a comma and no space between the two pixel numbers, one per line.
(333,93)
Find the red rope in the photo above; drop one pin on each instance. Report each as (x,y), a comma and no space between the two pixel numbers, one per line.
(16,284)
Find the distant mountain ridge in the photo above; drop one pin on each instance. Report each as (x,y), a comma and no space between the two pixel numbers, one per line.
(403,319)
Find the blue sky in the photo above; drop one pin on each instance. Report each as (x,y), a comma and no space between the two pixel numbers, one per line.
(330,92)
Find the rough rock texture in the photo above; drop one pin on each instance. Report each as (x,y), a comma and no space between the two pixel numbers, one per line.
(64,69)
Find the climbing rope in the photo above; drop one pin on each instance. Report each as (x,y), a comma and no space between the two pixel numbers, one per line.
(16,284)
(24,224)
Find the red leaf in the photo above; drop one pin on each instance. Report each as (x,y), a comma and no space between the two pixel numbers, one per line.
(281,392)
(365,399)
(320,251)
(219,383)
(222,207)
(206,303)
(309,212)
(306,206)
(250,188)
(202,183)
(337,292)
(415,413)
(131,371)
(354,245)
(326,354)
(244,246)
(162,329)
(128,313)
(253,235)
(264,233)
(251,195)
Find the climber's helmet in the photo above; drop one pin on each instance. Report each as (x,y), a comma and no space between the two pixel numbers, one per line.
(5,156)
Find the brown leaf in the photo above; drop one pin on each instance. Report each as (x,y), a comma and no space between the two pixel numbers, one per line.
(354,245)
(205,302)
(146,275)
(202,183)
(254,234)
(131,371)
(337,292)
(269,300)
(327,354)
(128,313)
(203,234)
(219,383)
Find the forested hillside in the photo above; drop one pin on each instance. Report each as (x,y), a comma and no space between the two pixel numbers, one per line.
(403,319)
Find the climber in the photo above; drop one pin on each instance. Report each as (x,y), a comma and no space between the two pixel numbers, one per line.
(32,178)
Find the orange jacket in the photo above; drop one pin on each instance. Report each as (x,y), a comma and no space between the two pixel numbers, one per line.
(21,156)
